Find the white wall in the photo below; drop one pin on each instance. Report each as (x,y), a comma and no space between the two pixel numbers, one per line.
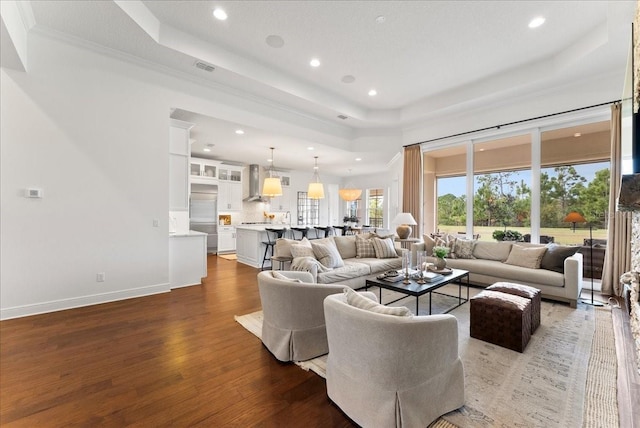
(92,131)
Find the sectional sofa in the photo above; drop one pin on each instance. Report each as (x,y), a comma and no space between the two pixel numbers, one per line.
(553,269)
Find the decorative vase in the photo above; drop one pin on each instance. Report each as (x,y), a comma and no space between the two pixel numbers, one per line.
(440,263)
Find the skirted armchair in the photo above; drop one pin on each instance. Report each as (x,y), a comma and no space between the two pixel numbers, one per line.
(392,371)
(293,326)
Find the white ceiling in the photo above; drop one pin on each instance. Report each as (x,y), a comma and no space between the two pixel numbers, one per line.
(425,59)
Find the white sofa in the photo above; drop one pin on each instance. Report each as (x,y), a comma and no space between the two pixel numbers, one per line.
(390,370)
(488,266)
(355,268)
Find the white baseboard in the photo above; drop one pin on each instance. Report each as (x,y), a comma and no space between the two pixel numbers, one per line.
(77,302)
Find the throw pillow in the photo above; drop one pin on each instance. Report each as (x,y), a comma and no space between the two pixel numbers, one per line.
(346,246)
(364,248)
(327,254)
(359,301)
(299,250)
(553,259)
(278,275)
(448,241)
(464,248)
(528,257)
(429,243)
(384,248)
(283,247)
(492,250)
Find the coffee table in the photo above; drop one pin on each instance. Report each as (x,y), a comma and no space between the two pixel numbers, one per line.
(417,290)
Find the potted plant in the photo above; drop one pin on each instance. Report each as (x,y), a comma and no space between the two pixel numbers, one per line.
(440,253)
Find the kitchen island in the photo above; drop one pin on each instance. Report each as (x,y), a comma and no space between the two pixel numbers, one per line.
(249,243)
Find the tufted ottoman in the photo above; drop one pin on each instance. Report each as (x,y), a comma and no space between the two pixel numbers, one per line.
(502,319)
(530,293)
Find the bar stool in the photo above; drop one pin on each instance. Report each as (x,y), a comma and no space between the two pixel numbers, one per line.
(272,236)
(343,229)
(324,231)
(302,230)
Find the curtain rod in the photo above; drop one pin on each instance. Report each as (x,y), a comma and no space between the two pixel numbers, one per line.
(512,123)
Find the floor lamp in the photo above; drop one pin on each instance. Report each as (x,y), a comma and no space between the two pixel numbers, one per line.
(575,217)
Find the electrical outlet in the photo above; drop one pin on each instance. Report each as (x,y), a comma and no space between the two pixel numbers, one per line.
(156,222)
(100,277)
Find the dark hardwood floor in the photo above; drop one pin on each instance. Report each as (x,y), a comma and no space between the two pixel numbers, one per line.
(174,359)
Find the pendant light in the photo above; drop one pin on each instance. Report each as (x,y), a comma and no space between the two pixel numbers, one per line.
(349,192)
(315,190)
(272,186)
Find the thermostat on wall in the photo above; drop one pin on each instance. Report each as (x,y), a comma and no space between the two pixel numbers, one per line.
(33,193)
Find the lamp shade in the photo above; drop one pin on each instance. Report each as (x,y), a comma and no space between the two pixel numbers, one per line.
(272,187)
(315,190)
(349,194)
(574,217)
(403,220)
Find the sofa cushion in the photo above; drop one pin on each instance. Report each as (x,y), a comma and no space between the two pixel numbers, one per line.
(359,301)
(492,250)
(364,247)
(346,246)
(553,259)
(464,248)
(528,257)
(350,270)
(384,248)
(382,265)
(492,271)
(327,254)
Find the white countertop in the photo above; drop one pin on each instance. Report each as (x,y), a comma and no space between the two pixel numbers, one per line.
(189,233)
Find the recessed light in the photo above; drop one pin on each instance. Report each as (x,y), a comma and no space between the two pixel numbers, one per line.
(315,62)
(206,149)
(380,19)
(239,131)
(275,41)
(536,22)
(373,93)
(309,148)
(269,160)
(577,134)
(220,14)
(348,79)
(358,159)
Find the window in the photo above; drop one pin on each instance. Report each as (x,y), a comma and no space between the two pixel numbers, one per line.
(375,207)
(308,210)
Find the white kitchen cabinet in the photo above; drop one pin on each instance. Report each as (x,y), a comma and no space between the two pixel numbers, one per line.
(187,259)
(229,188)
(226,239)
(203,170)
(179,153)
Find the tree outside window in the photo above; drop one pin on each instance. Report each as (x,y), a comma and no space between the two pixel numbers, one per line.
(375,211)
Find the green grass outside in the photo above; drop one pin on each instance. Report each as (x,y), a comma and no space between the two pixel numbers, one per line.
(562,235)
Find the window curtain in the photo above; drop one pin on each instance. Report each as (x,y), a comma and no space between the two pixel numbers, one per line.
(618,255)
(411,187)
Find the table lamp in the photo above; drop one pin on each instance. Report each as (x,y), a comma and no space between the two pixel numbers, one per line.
(404,220)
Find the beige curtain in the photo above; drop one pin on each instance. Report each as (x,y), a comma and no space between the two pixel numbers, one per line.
(412,185)
(618,256)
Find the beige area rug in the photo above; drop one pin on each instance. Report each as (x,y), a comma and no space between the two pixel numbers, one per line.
(228,256)
(546,386)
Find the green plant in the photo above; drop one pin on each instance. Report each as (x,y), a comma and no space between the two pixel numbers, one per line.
(507,235)
(440,252)
(352,219)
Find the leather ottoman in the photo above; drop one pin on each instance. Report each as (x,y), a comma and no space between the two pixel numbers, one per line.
(502,319)
(523,291)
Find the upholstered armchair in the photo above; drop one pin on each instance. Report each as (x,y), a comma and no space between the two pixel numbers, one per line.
(389,370)
(293,326)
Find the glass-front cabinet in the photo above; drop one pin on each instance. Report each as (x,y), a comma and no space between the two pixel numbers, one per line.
(203,168)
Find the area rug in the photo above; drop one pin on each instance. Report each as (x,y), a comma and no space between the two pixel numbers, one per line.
(544,386)
(228,256)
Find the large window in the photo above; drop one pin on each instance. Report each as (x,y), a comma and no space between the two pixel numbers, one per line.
(521,186)
(375,210)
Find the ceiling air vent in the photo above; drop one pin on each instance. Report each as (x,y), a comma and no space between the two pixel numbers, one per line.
(342,116)
(204,66)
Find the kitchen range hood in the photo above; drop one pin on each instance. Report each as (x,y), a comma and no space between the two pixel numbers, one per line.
(254,185)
